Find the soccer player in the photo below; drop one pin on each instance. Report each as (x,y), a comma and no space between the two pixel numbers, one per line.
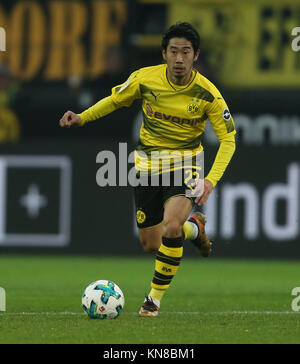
(177,101)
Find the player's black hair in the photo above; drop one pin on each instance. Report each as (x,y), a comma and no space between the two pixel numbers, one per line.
(182,30)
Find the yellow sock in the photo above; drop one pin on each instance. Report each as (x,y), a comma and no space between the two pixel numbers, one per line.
(157,294)
(166,265)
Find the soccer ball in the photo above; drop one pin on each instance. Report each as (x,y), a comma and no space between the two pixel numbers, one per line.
(103,299)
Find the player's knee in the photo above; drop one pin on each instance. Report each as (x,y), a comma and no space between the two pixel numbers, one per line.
(172,228)
(149,246)
(150,249)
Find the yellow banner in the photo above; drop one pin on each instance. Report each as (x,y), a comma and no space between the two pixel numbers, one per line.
(246,43)
(59,39)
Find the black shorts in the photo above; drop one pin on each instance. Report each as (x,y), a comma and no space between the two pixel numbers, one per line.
(150,199)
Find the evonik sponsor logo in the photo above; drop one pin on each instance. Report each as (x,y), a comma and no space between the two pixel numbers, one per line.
(175,119)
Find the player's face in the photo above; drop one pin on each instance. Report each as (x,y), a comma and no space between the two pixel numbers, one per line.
(180,57)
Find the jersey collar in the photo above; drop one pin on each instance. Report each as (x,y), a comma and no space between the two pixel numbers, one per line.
(184,87)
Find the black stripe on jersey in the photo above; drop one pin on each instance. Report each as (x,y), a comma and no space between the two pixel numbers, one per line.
(201,93)
(229,125)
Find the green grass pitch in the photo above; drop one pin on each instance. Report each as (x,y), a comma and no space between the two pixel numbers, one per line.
(209,301)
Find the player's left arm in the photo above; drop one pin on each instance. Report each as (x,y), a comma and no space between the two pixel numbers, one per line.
(223,125)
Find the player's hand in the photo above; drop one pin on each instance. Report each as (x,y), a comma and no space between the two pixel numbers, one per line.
(69,119)
(202,189)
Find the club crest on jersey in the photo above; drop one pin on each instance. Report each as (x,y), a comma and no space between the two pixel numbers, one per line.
(226,114)
(193,108)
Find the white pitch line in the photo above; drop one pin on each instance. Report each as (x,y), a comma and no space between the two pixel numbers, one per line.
(43,313)
(66,313)
(237,313)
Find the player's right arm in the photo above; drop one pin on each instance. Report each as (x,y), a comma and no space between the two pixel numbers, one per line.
(122,95)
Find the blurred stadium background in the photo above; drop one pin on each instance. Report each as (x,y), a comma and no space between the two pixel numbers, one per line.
(66,55)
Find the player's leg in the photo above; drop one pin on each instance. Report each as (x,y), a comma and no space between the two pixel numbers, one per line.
(194,227)
(171,226)
(176,211)
(149,216)
(175,229)
(150,237)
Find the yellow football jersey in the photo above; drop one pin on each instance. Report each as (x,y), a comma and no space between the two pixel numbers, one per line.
(174,117)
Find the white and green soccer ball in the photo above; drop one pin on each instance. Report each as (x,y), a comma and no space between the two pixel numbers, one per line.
(103,299)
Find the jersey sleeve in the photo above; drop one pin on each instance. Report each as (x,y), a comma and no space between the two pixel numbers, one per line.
(223,157)
(126,93)
(100,109)
(220,118)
